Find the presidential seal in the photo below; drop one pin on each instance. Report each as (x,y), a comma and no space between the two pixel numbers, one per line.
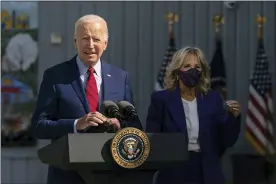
(130,147)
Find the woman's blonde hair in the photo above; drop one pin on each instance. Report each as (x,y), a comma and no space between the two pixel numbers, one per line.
(179,58)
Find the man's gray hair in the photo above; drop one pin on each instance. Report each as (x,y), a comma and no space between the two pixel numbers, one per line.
(90,19)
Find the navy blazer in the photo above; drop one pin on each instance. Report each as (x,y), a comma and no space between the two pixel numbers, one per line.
(62,100)
(218,130)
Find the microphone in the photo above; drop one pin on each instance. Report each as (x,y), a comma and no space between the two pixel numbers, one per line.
(127,111)
(110,109)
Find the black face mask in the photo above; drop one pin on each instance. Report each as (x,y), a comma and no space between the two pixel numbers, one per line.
(190,78)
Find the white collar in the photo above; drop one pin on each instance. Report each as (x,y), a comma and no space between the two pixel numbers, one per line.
(83,68)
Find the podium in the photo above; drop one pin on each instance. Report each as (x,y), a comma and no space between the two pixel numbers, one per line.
(90,156)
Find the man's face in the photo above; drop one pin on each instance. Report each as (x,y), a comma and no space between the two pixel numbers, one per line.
(90,40)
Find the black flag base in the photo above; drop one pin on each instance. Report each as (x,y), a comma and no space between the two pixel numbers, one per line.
(253,169)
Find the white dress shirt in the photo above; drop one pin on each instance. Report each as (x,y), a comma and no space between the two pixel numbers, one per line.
(84,76)
(192,123)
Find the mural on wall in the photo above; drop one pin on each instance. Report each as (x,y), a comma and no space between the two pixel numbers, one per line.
(19,74)
(12,20)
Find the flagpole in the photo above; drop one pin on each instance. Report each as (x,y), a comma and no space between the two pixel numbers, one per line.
(261,20)
(218,20)
(171,18)
(217,64)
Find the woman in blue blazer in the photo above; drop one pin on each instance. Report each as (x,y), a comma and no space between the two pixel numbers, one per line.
(188,105)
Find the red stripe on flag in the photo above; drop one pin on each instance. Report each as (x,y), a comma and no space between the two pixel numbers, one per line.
(255,103)
(263,130)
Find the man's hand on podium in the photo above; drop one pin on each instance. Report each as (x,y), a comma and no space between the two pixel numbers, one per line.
(115,123)
(91,119)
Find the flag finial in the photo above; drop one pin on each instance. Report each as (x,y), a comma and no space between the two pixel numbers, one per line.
(171,19)
(218,20)
(260,20)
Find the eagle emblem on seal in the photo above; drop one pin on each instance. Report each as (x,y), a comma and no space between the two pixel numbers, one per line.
(130,148)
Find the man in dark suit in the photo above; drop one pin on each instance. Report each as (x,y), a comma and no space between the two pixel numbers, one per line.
(71,92)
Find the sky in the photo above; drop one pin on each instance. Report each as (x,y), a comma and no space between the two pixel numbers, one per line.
(23,7)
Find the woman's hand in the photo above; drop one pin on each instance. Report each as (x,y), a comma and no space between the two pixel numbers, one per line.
(233,107)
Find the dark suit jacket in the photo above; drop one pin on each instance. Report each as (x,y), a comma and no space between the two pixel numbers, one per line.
(218,130)
(62,100)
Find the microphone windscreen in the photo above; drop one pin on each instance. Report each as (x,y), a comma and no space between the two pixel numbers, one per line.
(124,104)
(107,104)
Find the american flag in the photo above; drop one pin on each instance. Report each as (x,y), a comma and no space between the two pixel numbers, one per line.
(217,65)
(167,59)
(259,127)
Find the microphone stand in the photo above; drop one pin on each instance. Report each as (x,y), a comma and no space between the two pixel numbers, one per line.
(126,120)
